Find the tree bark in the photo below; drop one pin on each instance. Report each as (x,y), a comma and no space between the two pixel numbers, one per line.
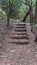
(8,15)
(26,15)
(31,14)
(36,13)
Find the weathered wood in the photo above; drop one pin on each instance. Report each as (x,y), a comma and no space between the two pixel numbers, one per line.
(22,41)
(18,29)
(19,36)
(19,33)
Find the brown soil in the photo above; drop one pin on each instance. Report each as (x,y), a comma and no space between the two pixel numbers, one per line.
(17,54)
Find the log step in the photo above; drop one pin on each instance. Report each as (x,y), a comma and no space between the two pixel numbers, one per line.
(20,30)
(18,36)
(17,41)
(21,23)
(19,26)
(20,33)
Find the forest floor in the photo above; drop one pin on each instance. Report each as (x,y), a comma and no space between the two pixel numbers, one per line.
(16,54)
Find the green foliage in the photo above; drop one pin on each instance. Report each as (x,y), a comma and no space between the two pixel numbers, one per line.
(1,11)
(17,7)
(14,5)
(35,25)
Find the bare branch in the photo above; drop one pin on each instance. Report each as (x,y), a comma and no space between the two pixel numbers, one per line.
(25,3)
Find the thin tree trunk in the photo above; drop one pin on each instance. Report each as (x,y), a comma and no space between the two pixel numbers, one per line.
(26,15)
(36,13)
(31,14)
(8,15)
(31,17)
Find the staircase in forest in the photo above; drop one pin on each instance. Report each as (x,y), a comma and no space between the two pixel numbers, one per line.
(19,35)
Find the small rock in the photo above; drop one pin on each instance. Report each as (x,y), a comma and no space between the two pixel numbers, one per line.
(12,50)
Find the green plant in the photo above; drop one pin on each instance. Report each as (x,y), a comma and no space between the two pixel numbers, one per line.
(1,11)
(12,9)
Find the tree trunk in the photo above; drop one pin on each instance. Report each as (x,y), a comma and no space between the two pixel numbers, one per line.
(31,14)
(8,15)
(31,18)
(26,15)
(36,13)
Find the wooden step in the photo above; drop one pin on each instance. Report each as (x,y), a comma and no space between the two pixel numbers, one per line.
(19,36)
(17,40)
(20,33)
(21,23)
(19,26)
(20,30)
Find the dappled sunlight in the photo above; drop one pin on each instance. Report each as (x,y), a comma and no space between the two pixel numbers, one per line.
(18,32)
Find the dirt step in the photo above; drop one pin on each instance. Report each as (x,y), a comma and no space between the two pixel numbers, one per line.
(17,40)
(19,36)
(19,33)
(19,26)
(21,23)
(19,30)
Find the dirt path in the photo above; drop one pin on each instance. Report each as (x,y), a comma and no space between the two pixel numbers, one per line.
(16,54)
